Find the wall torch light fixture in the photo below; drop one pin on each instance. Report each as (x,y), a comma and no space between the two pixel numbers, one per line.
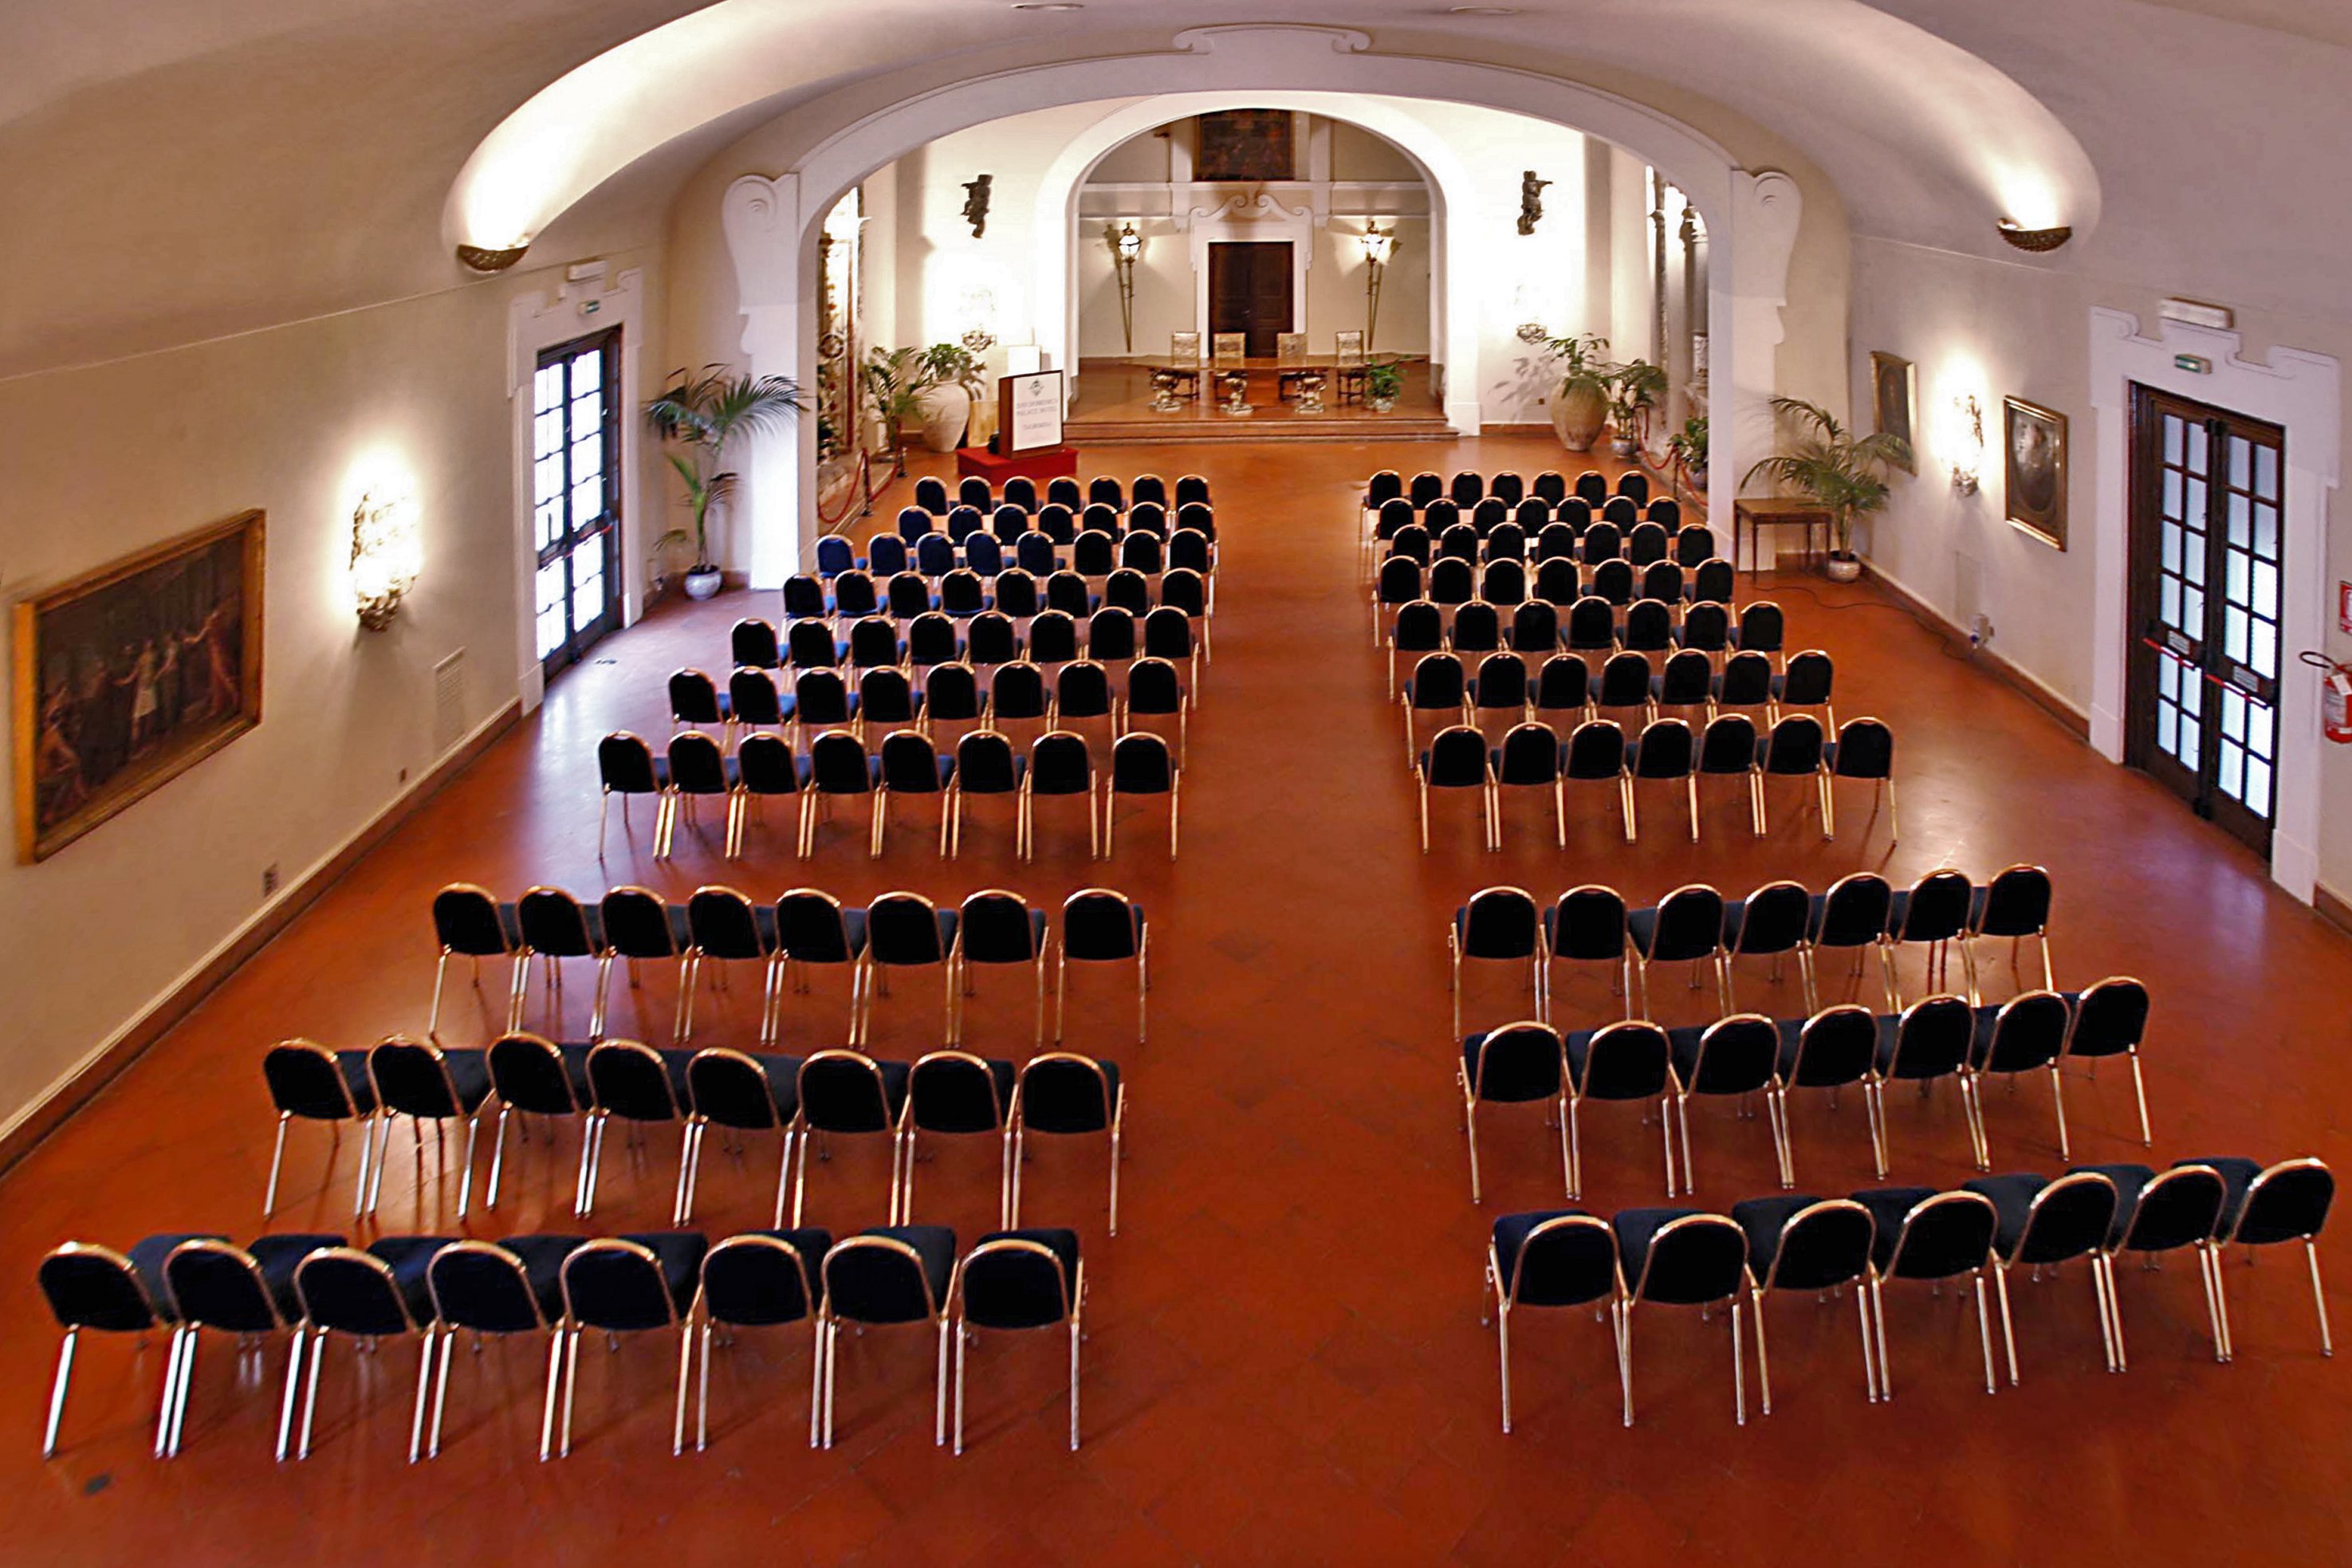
(1379,249)
(2034,240)
(1125,249)
(388,554)
(1964,438)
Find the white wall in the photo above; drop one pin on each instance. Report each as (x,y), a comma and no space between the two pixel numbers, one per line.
(106,461)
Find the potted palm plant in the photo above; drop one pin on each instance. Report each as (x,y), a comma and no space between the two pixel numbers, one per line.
(1843,473)
(1687,448)
(1581,407)
(894,379)
(1634,389)
(1382,381)
(697,417)
(949,385)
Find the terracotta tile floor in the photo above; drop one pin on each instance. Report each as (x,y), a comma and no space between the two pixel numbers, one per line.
(1287,1362)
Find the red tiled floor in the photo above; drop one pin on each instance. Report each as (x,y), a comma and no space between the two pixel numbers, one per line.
(1286,1361)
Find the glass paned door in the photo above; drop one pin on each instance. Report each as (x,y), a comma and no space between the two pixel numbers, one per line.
(2207,533)
(576,495)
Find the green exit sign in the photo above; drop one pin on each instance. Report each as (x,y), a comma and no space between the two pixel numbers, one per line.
(2196,365)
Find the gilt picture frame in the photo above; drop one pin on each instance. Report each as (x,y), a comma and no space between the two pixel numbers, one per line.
(1894,397)
(2033,470)
(127,676)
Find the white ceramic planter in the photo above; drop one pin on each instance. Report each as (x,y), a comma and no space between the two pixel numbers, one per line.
(946,411)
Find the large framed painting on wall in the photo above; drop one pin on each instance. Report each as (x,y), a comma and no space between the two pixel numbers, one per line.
(1893,393)
(1246,144)
(130,675)
(2033,444)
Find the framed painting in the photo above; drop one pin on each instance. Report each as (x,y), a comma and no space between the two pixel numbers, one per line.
(132,674)
(2033,491)
(1249,144)
(1894,388)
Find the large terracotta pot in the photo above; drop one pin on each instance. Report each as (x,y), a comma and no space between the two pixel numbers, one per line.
(1578,413)
(946,411)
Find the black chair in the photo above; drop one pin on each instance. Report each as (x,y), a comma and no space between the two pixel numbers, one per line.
(1141,764)
(630,1284)
(812,928)
(1803,1243)
(728,928)
(1795,750)
(540,1078)
(1687,681)
(1833,1048)
(1769,922)
(308,1081)
(470,923)
(932,640)
(1063,491)
(2266,1206)
(1563,687)
(2111,1019)
(1736,1056)
(1864,748)
(1932,912)
(931,496)
(694,700)
(1529,759)
(1628,1061)
(96,1288)
(986,764)
(1501,686)
(822,701)
(1807,680)
(1100,926)
(1853,917)
(1591,626)
(2015,904)
(1082,691)
(1588,925)
(509,1287)
(1923,1234)
(1517,1064)
(765,768)
(644,1087)
(248,1292)
(1551,1258)
(905,930)
(759,1279)
(996,927)
(1016,692)
(1061,765)
(2026,1033)
(840,768)
(1761,630)
(1706,629)
(640,926)
(952,694)
(698,770)
(1727,749)
(1612,575)
(1154,692)
(419,1080)
(1418,627)
(743,1093)
(1499,924)
(374,1295)
(1746,681)
(1624,684)
(1682,1258)
(1686,926)
(1477,629)
(889,1275)
(1067,1095)
(854,597)
(1021,493)
(955,1093)
(752,642)
(2160,1212)
(2042,1223)
(1930,1039)
(1016,1281)
(757,705)
(1596,753)
(1455,759)
(908,765)
(849,1093)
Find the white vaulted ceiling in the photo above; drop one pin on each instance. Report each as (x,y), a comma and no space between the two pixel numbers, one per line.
(173,172)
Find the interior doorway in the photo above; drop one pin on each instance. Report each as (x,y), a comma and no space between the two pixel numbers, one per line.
(2208,542)
(1250,291)
(576,496)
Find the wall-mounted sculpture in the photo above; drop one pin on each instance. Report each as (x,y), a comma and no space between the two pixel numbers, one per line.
(1531,202)
(975,204)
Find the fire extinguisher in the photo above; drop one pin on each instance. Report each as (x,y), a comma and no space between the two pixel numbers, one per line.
(2334,697)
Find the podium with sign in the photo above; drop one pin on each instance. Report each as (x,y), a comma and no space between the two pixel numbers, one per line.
(1028,433)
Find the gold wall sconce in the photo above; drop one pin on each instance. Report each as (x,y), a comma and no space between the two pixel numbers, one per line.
(387,555)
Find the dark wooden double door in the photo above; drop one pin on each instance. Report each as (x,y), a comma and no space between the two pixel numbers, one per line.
(2208,541)
(1250,291)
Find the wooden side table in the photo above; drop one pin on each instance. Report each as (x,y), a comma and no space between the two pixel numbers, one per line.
(1774,511)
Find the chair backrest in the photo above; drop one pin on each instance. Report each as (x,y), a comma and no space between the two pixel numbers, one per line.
(528,1073)
(1600,542)
(1021,491)
(1706,628)
(1747,680)
(1452,580)
(1773,918)
(886,556)
(1693,542)
(1621,511)
(1018,690)
(1625,681)
(1596,750)
(881,1276)
(833,554)
(1063,1092)
(349,1292)
(1529,755)
(1021,1279)
(2286,1202)
(1634,485)
(809,644)
(1500,923)
(618,1284)
(1456,759)
(1647,544)
(904,928)
(1503,582)
(956,1091)
(1063,491)
(306,1080)
(812,928)
(1737,1055)
(1865,749)
(1347,347)
(1936,909)
(820,696)
(931,495)
(1167,634)
(1184,348)
(2016,903)
(1535,628)
(92,1287)
(1228,348)
(846,1091)
(2065,1219)
(1149,489)
(1467,487)
(1932,1038)
(217,1284)
(1098,923)
(1837,1045)
(466,919)
(1289,347)
(951,693)
(1629,1059)
(1477,628)
(639,923)
(1825,1244)
(1060,764)
(1153,689)
(1438,683)
(1809,679)
(1192,490)
(1761,626)
(838,763)
(696,765)
(1593,487)
(1515,1063)
(1855,911)
(935,554)
(753,641)
(1141,764)
(931,638)
(1649,626)
(1728,745)
(1506,487)
(1692,1259)
(998,928)
(629,1079)
(1613,580)
(411,1078)
(1082,689)
(2178,1208)
(1942,1234)
(1589,922)
(761,1279)
(752,691)
(972,491)
(1688,925)
(2110,1018)
(765,766)
(483,1286)
(1794,746)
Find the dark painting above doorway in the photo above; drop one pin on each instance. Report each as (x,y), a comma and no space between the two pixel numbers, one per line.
(1246,144)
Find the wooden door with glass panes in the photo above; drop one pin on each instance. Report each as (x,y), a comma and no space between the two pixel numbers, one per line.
(2207,540)
(576,496)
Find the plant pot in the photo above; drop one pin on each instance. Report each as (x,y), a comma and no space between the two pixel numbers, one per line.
(702,581)
(1622,447)
(1841,567)
(1380,402)
(946,411)
(1578,413)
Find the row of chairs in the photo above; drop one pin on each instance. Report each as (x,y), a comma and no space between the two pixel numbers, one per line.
(838,765)
(1668,594)
(1470,485)
(1696,925)
(1103,489)
(803,929)
(1091,552)
(1531,755)
(1535,626)
(431,1287)
(1679,1256)
(1176,629)
(1844,1045)
(838,1092)
(1500,539)
(1565,685)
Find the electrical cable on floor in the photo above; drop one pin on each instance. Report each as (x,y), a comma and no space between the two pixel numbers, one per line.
(1943,641)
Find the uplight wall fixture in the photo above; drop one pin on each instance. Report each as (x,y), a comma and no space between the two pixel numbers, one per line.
(2034,240)
(1379,249)
(1964,437)
(1125,249)
(479,258)
(387,555)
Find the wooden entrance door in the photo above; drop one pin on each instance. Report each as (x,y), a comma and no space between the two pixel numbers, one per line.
(576,495)
(1249,292)
(2207,543)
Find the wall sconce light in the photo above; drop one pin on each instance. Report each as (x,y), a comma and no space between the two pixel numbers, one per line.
(386,555)
(478,258)
(2034,240)
(1379,249)
(1125,249)
(1964,438)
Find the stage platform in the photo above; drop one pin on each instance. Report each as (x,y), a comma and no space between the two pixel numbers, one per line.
(1113,406)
